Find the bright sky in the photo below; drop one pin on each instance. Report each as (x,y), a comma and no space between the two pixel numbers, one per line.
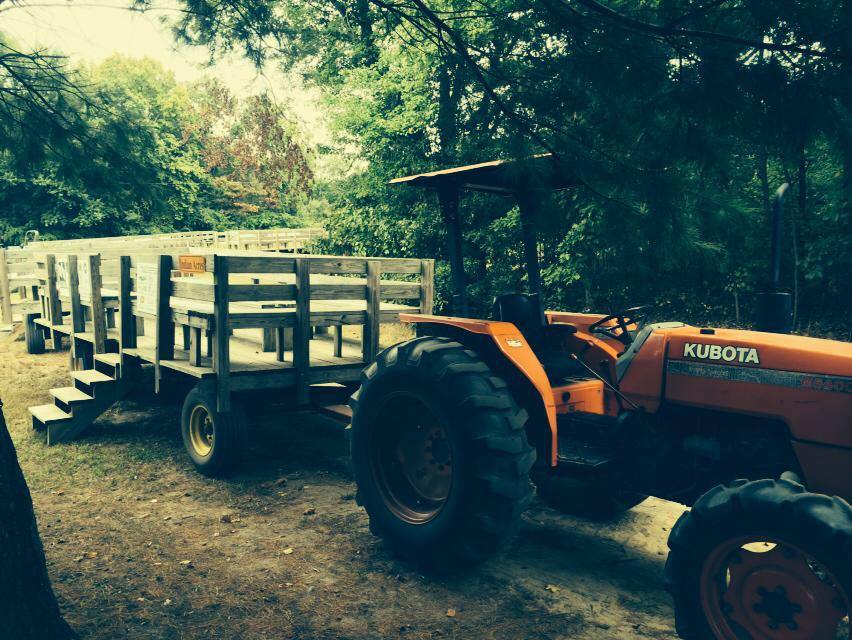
(91,30)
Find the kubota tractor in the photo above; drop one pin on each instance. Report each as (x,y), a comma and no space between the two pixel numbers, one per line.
(452,430)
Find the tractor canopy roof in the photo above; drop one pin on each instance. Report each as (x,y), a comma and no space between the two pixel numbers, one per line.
(543,171)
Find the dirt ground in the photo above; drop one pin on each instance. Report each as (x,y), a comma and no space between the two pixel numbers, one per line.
(141,546)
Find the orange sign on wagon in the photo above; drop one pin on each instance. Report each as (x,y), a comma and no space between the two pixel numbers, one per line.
(192,264)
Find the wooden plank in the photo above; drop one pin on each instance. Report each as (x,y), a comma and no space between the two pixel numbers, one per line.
(399,265)
(263,320)
(408,291)
(338,340)
(53,305)
(195,346)
(221,354)
(191,319)
(185,288)
(427,286)
(338,292)
(99,328)
(5,291)
(372,319)
(164,335)
(78,322)
(333,264)
(283,342)
(260,264)
(267,344)
(127,323)
(261,292)
(302,330)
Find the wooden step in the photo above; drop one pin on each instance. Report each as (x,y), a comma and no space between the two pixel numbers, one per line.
(112,359)
(340,412)
(91,377)
(48,414)
(70,395)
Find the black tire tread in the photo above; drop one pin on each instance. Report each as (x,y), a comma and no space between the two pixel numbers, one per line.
(494,427)
(34,336)
(230,434)
(819,523)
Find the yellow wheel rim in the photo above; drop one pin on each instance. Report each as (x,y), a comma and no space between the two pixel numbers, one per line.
(201,431)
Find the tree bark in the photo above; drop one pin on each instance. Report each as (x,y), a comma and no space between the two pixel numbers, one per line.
(28,607)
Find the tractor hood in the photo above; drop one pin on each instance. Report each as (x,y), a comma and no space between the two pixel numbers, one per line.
(762,350)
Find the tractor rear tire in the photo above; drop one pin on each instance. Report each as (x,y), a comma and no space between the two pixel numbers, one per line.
(760,558)
(585,498)
(440,454)
(214,441)
(34,335)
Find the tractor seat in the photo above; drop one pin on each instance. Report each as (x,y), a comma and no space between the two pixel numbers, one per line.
(546,340)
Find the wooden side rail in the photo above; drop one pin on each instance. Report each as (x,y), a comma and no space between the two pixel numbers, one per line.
(292,299)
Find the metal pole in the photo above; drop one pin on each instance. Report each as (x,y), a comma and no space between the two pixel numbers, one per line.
(448,199)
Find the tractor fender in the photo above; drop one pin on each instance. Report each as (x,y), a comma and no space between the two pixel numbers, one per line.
(503,342)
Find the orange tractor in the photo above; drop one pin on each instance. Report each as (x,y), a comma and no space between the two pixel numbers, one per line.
(452,430)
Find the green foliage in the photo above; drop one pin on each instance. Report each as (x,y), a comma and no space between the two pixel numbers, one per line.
(677,142)
(677,120)
(142,153)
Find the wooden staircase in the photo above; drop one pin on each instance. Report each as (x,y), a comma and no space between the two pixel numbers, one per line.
(75,407)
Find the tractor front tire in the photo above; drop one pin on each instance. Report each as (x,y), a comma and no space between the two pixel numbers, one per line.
(214,441)
(440,454)
(762,559)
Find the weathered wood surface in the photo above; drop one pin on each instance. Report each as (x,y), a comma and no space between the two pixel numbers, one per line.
(247,320)
(5,291)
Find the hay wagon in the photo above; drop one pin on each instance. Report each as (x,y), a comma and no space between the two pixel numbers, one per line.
(232,322)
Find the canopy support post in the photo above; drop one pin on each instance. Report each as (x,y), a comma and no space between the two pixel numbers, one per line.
(448,199)
(528,206)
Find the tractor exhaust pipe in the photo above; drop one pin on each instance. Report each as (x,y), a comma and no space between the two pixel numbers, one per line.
(774,307)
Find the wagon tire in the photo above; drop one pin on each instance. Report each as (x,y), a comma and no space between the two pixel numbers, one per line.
(439,454)
(762,558)
(215,441)
(34,335)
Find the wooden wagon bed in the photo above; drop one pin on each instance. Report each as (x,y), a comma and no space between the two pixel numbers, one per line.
(234,320)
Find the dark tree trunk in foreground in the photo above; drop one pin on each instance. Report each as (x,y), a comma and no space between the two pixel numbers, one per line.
(28,608)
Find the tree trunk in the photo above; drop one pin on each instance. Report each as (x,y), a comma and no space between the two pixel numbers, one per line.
(28,608)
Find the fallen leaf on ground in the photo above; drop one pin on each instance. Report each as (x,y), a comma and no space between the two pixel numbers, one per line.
(451,613)
(167,602)
(552,588)
(288,551)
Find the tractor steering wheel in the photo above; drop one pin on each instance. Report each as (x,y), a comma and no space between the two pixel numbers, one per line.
(619,330)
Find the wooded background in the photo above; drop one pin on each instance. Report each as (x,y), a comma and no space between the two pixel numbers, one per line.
(680,118)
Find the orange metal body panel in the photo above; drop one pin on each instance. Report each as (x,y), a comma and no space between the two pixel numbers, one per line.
(826,468)
(643,382)
(583,321)
(806,383)
(514,346)
(583,395)
(810,405)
